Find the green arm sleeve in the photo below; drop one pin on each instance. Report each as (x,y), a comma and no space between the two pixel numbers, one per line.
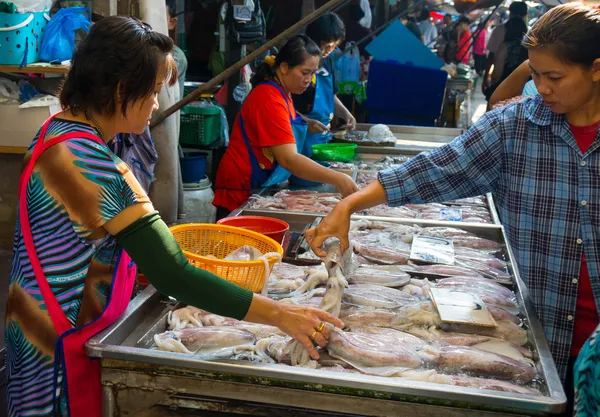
(158,256)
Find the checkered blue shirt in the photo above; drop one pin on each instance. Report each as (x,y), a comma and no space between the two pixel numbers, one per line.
(547,194)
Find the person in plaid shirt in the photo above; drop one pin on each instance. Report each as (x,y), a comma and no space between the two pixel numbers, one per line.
(541,159)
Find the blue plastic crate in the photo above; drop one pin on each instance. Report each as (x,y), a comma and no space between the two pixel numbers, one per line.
(21,37)
(407,90)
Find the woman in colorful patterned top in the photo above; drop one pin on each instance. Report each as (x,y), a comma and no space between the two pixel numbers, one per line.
(83,218)
(541,159)
(587,378)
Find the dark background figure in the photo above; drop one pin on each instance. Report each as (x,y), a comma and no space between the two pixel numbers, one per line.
(479,45)
(505,53)
(411,24)
(354,30)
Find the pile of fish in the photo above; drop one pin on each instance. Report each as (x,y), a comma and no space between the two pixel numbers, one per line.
(389,244)
(393,329)
(474,210)
(382,163)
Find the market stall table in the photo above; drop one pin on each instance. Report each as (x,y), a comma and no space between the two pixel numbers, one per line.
(140,380)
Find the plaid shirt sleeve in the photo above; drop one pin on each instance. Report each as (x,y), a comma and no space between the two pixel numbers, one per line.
(467,166)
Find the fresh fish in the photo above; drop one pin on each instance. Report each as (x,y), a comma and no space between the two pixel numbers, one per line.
(363,350)
(506,330)
(472,282)
(500,314)
(377,296)
(488,295)
(474,255)
(317,276)
(420,314)
(460,359)
(383,255)
(392,336)
(357,316)
(332,300)
(485,270)
(288,271)
(185,317)
(479,201)
(501,347)
(191,340)
(461,238)
(387,211)
(379,275)
(245,253)
(444,270)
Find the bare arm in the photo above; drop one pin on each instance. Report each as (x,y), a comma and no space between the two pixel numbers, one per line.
(299,165)
(337,223)
(513,85)
(342,112)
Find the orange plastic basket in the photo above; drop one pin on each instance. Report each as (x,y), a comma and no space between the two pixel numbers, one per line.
(198,241)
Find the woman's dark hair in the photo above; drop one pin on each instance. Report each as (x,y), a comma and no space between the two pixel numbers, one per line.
(327,28)
(463,19)
(120,57)
(297,50)
(570,31)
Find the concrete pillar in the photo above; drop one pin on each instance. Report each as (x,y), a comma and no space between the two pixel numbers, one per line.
(105,7)
(164,190)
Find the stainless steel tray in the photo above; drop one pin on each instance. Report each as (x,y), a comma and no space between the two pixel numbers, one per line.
(119,348)
(411,138)
(326,188)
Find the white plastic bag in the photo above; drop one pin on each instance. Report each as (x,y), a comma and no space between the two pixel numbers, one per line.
(9,91)
(32,5)
(367,18)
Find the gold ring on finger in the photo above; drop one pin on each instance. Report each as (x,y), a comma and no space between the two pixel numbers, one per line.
(312,336)
(321,327)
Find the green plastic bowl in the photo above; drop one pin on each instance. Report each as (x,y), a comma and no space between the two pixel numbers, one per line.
(340,152)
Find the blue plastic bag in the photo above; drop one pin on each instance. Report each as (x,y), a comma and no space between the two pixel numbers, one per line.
(58,43)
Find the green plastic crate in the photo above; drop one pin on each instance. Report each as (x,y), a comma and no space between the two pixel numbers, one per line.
(200,126)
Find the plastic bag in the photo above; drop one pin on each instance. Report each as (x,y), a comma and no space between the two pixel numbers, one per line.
(32,5)
(9,91)
(349,64)
(367,18)
(59,38)
(43,100)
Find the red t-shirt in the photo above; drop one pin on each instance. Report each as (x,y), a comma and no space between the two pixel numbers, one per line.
(464,47)
(267,123)
(586,312)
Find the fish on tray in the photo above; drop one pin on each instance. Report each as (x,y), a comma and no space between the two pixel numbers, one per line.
(377,296)
(192,340)
(388,276)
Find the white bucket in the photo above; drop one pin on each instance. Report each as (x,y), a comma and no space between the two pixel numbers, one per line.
(197,204)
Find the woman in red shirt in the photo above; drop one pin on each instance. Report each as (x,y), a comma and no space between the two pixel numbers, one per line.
(464,40)
(268,134)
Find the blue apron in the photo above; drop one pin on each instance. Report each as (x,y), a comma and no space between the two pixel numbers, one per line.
(322,110)
(268,177)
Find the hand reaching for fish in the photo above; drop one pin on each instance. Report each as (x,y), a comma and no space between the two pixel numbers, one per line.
(303,323)
(337,223)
